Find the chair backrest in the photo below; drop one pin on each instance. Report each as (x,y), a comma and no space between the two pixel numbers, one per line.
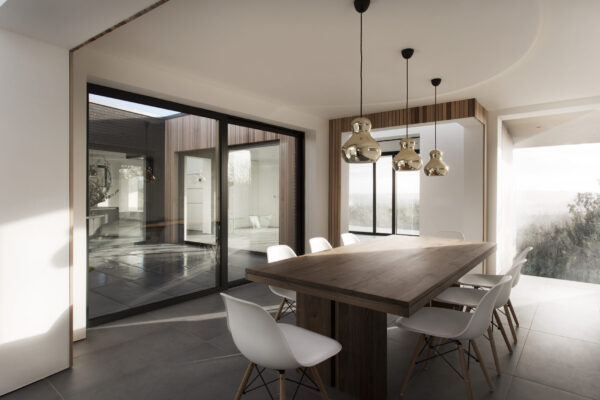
(515,271)
(318,244)
(522,255)
(279,252)
(349,238)
(450,235)
(256,334)
(480,319)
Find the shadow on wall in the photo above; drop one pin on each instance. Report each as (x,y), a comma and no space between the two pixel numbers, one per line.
(27,360)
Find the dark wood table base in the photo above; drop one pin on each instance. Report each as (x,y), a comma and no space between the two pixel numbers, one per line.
(360,369)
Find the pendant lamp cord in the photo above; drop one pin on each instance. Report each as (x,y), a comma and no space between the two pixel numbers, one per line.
(361,65)
(406,110)
(435,119)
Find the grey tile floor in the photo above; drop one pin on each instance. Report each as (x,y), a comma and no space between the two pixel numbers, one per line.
(186,352)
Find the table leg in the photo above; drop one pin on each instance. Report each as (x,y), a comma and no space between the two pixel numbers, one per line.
(362,364)
(316,314)
(360,369)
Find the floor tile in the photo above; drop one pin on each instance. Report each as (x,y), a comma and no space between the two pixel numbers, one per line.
(521,389)
(40,390)
(563,363)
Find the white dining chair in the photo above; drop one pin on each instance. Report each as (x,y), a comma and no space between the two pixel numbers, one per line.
(470,298)
(522,255)
(278,346)
(450,235)
(288,297)
(486,281)
(453,326)
(318,244)
(349,238)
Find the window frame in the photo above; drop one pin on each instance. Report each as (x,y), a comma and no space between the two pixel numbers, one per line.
(374,232)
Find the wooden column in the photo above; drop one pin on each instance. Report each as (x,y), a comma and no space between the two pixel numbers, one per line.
(360,369)
(316,314)
(361,366)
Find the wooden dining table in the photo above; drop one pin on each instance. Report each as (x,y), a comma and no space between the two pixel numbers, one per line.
(347,292)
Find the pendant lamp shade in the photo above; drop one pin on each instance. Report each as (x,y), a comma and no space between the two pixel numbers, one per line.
(361,147)
(407,159)
(436,165)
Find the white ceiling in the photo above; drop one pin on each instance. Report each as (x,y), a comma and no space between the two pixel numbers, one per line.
(66,23)
(559,129)
(305,53)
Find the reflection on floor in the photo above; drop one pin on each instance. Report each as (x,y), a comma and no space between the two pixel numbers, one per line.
(124,275)
(186,352)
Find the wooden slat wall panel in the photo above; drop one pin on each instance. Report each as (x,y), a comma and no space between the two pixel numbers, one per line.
(387,119)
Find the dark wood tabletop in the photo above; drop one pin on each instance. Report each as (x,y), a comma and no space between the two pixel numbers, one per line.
(393,274)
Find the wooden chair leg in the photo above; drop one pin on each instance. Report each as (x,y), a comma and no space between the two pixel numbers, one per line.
(428,353)
(501,327)
(490,332)
(512,311)
(510,323)
(278,314)
(442,341)
(465,371)
(240,391)
(413,361)
(482,365)
(315,373)
(281,386)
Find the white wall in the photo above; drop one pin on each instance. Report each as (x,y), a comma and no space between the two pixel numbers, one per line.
(506,230)
(454,202)
(34,211)
(137,76)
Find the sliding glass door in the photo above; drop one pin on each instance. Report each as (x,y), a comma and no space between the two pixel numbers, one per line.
(262,209)
(181,201)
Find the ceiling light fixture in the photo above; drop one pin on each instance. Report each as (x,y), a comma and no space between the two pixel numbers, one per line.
(435,166)
(361,147)
(407,159)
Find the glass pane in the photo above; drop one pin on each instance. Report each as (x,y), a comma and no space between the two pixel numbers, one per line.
(407,202)
(152,204)
(383,190)
(360,197)
(261,173)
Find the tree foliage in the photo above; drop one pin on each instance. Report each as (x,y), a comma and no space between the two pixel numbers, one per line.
(569,249)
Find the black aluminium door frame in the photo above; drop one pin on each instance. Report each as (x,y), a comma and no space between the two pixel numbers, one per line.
(300,214)
(224,121)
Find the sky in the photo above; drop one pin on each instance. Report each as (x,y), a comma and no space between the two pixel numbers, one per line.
(569,168)
(131,106)
(548,178)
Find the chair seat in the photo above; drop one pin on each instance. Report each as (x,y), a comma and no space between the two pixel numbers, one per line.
(309,348)
(438,322)
(481,280)
(281,292)
(461,296)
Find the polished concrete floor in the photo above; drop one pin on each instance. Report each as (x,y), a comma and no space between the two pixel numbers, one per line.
(186,352)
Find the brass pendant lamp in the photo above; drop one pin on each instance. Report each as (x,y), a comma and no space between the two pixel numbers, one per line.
(361,147)
(436,166)
(407,159)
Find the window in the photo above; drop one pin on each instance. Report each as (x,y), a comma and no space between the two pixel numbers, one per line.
(382,201)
